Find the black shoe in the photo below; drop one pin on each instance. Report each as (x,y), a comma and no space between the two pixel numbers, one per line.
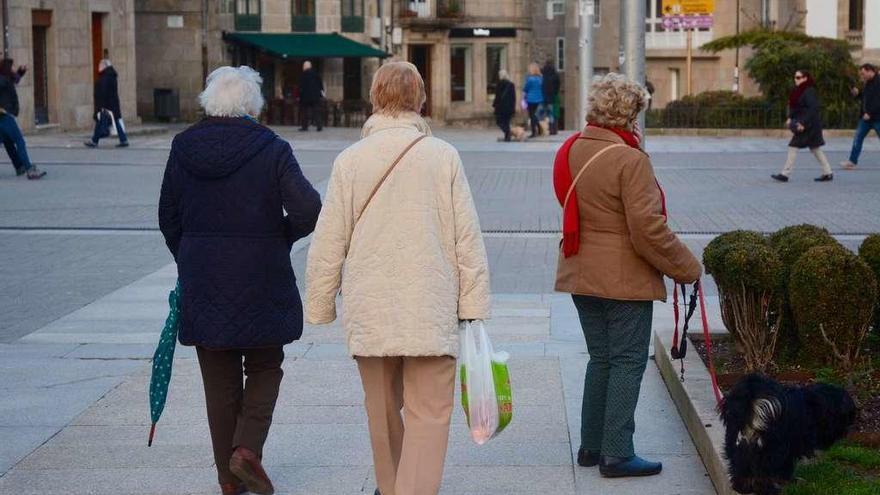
(587,458)
(20,171)
(35,174)
(825,178)
(320,129)
(623,467)
(122,145)
(780,177)
(91,144)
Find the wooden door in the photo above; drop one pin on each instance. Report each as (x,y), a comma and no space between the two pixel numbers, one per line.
(97,41)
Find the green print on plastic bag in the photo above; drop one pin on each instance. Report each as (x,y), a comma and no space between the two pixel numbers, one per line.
(503,395)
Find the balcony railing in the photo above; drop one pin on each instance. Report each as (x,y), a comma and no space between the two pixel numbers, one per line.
(247,22)
(303,23)
(353,24)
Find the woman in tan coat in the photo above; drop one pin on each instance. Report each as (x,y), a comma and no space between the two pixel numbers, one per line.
(399,233)
(616,249)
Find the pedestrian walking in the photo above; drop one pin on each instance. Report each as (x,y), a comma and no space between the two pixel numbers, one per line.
(504,103)
(805,124)
(869,116)
(227,184)
(615,250)
(311,98)
(10,133)
(108,112)
(550,85)
(533,95)
(399,234)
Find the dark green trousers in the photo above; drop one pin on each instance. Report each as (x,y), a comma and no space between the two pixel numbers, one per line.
(617,335)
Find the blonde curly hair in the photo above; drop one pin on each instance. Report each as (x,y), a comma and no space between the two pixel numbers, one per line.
(615,101)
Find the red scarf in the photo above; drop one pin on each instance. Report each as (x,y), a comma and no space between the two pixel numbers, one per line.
(798,91)
(562,180)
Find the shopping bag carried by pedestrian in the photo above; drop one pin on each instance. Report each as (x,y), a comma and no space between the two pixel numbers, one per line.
(163,359)
(486,395)
(105,120)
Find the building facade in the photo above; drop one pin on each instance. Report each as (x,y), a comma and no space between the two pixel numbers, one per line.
(61,42)
(460,46)
(181,41)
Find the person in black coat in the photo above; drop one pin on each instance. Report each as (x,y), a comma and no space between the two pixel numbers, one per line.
(805,123)
(869,116)
(108,111)
(227,186)
(311,97)
(10,133)
(551,85)
(504,103)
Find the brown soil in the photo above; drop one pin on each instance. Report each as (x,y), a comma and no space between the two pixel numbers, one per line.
(731,368)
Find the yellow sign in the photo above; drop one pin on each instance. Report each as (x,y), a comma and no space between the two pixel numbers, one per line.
(688,7)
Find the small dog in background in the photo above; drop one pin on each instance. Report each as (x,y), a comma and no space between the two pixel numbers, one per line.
(770,426)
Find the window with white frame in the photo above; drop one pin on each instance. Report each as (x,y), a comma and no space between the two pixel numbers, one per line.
(460,72)
(597,13)
(560,54)
(555,8)
(496,61)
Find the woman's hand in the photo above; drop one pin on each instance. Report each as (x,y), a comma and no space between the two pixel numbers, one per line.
(787,122)
(800,127)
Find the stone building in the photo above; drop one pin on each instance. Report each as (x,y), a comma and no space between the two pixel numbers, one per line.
(459,46)
(61,43)
(180,41)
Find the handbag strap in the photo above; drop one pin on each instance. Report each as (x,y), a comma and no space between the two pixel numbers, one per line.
(584,169)
(387,173)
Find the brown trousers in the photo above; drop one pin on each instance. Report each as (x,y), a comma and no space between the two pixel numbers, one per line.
(239,412)
(408,459)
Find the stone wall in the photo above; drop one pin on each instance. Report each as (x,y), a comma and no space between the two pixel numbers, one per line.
(70,78)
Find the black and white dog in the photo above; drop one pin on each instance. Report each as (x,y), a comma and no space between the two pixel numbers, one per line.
(769,426)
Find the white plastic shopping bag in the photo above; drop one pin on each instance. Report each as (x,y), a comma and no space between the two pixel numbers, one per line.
(486,395)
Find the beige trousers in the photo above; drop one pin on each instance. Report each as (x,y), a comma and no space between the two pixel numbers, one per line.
(408,451)
(817,152)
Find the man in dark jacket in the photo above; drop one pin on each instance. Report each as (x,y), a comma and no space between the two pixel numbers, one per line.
(504,103)
(311,97)
(870,112)
(233,202)
(550,86)
(107,109)
(10,133)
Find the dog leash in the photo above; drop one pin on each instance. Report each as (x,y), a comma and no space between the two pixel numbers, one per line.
(679,348)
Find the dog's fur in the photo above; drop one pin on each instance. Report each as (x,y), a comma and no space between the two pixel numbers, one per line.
(769,426)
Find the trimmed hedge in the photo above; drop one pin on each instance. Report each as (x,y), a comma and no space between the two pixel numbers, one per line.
(832,294)
(869,251)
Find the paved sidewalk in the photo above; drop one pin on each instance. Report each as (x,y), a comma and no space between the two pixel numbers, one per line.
(319,442)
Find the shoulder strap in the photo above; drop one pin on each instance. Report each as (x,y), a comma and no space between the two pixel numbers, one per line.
(584,169)
(387,173)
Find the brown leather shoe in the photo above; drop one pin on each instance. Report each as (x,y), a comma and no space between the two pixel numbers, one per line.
(232,489)
(247,467)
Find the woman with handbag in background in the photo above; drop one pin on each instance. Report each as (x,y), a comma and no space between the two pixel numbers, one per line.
(615,250)
(805,124)
(399,234)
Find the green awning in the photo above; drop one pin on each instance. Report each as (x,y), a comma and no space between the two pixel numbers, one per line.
(306,45)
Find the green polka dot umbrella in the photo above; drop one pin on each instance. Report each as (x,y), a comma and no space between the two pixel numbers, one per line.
(162,361)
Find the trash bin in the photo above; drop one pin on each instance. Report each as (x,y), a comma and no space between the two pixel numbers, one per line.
(166,104)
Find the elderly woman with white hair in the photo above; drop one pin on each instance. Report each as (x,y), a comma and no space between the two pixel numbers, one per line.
(615,250)
(399,234)
(227,186)
(504,103)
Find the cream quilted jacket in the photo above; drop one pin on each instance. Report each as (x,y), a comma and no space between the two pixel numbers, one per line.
(415,264)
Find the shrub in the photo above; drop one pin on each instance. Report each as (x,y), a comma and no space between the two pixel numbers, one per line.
(791,243)
(832,294)
(746,270)
(716,109)
(869,251)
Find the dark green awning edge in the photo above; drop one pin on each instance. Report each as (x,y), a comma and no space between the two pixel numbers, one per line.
(305,45)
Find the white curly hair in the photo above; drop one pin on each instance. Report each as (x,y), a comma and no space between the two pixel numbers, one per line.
(615,101)
(233,92)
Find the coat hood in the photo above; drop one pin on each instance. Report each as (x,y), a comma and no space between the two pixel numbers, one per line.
(408,120)
(218,146)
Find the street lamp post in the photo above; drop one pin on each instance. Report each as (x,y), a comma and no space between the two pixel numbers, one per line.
(632,22)
(586,11)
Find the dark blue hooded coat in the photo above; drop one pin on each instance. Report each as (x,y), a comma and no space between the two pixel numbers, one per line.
(220,210)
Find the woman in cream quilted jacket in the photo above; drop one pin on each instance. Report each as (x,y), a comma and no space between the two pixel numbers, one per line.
(400,236)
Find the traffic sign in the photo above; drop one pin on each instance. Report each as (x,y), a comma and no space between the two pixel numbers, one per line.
(688,7)
(673,22)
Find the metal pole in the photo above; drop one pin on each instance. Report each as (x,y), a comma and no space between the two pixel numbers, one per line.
(689,61)
(586,11)
(381,25)
(633,22)
(5,8)
(736,67)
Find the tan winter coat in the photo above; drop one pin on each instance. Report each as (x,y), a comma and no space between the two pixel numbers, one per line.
(415,263)
(626,246)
